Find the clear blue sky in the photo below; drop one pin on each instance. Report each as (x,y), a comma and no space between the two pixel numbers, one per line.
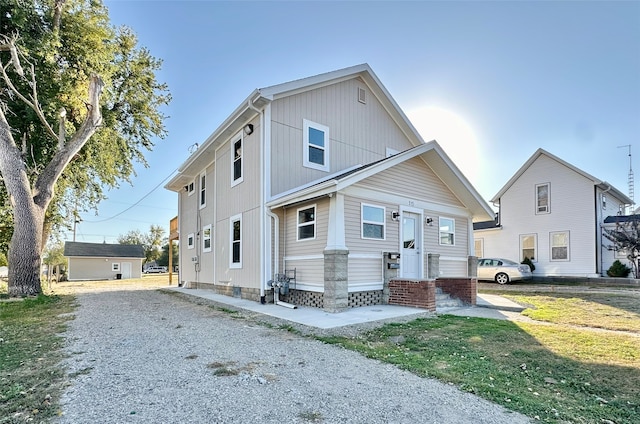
(491,81)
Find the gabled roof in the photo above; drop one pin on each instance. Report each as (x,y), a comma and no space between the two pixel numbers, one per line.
(540,152)
(259,98)
(102,250)
(433,156)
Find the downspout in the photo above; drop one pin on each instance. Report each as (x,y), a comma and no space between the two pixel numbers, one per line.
(263,176)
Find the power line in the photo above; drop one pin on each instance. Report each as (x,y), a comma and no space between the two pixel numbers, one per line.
(136,203)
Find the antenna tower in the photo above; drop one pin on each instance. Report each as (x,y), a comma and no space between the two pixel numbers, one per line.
(630,178)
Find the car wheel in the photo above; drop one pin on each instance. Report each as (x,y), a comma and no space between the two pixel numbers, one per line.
(502,278)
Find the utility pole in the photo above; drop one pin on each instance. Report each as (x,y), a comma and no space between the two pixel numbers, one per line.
(630,178)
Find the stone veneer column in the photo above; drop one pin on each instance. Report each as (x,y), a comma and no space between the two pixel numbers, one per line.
(433,265)
(336,291)
(472,267)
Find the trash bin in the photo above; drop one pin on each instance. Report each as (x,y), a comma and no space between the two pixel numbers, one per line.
(118,276)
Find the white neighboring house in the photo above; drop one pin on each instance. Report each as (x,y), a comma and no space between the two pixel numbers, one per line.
(4,272)
(321,175)
(553,213)
(101,261)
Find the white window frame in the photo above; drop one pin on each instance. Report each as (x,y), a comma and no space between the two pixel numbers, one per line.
(604,201)
(203,190)
(235,181)
(548,205)
(371,222)
(306,126)
(191,188)
(535,246)
(451,233)
(567,246)
(308,223)
(191,241)
(207,235)
(232,220)
(115,266)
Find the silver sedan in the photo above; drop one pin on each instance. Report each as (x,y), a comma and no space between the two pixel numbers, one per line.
(502,270)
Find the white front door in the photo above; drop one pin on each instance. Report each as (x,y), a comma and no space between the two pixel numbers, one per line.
(125,269)
(411,255)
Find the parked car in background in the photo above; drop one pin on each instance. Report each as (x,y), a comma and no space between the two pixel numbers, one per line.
(155,269)
(502,271)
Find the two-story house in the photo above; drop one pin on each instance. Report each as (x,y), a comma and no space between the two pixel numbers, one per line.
(553,213)
(321,175)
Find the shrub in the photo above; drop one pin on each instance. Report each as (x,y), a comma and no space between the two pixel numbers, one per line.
(527,261)
(618,269)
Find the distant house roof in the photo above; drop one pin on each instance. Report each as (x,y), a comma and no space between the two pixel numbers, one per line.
(621,218)
(485,225)
(540,152)
(72,248)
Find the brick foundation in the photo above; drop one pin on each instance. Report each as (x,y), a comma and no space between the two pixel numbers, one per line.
(464,289)
(416,293)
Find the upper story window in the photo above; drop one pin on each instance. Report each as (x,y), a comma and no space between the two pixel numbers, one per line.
(190,241)
(203,190)
(190,188)
(237,163)
(542,198)
(236,242)
(206,238)
(604,201)
(316,146)
(307,223)
(447,231)
(373,222)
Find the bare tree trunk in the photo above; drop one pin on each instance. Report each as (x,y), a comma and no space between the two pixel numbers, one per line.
(30,204)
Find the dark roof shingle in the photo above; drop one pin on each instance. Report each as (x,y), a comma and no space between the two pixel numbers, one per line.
(72,248)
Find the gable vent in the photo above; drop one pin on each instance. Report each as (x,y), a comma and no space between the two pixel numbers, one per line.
(362,95)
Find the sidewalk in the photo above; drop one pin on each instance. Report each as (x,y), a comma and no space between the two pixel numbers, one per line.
(488,306)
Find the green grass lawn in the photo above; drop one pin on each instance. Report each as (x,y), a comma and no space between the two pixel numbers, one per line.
(554,371)
(31,379)
(568,367)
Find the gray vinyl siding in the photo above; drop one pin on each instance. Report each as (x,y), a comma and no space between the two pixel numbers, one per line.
(249,274)
(453,259)
(414,179)
(307,256)
(189,224)
(101,268)
(359,133)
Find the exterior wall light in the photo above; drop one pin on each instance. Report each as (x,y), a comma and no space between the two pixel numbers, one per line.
(248,129)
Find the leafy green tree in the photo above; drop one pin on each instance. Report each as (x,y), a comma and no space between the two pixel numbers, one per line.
(53,257)
(163,260)
(625,237)
(151,242)
(3,260)
(79,105)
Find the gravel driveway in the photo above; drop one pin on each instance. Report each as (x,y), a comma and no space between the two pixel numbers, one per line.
(144,356)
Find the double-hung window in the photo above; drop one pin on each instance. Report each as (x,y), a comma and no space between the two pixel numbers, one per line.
(373,222)
(528,247)
(206,238)
(236,162)
(447,231)
(203,190)
(307,223)
(542,198)
(235,230)
(316,145)
(559,242)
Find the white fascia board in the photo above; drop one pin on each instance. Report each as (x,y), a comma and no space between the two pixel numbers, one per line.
(312,192)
